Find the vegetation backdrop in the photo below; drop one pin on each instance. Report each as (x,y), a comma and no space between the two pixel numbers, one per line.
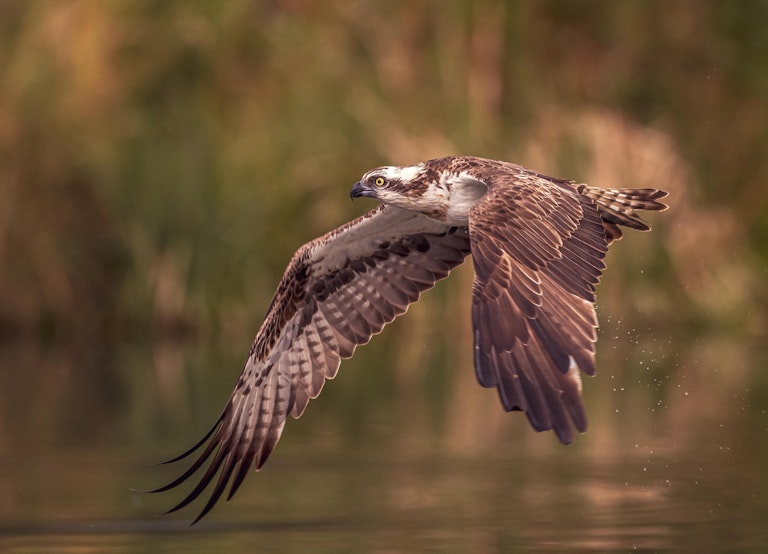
(160,161)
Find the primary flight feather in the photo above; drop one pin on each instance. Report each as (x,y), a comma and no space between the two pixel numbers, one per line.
(537,246)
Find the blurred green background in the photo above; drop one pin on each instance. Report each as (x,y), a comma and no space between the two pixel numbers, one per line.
(160,161)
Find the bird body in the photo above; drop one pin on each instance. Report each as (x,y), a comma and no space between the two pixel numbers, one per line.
(537,245)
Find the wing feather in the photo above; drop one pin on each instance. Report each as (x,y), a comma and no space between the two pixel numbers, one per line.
(538,249)
(336,293)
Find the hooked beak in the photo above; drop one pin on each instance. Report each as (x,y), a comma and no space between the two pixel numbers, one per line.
(359,190)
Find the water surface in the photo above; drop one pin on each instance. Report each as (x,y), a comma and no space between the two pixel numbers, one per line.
(395,472)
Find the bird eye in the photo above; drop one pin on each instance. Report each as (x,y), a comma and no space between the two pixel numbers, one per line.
(379,182)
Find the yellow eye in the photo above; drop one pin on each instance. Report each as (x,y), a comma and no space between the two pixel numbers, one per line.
(379,182)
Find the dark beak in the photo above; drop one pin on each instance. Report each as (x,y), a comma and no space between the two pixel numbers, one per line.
(359,190)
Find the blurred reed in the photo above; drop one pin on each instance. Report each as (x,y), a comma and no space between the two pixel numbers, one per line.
(161,161)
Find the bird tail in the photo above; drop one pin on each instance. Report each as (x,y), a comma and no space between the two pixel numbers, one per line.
(619,207)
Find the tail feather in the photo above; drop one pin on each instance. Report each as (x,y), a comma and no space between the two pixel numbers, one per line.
(618,207)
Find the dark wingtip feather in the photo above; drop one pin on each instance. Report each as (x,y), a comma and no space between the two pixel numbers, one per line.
(194,467)
(186,475)
(242,471)
(217,491)
(201,486)
(198,444)
(564,435)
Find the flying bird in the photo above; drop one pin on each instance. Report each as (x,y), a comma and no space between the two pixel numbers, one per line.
(538,245)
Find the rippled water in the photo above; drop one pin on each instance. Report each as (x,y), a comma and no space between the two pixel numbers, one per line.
(389,474)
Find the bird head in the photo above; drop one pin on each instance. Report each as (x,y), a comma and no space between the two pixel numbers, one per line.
(405,187)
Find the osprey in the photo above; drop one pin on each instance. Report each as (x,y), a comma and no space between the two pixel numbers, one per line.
(537,246)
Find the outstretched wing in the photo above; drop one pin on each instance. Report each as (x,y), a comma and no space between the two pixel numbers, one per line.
(337,292)
(538,248)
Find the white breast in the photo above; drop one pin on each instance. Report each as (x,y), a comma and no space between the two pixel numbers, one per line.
(465,191)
